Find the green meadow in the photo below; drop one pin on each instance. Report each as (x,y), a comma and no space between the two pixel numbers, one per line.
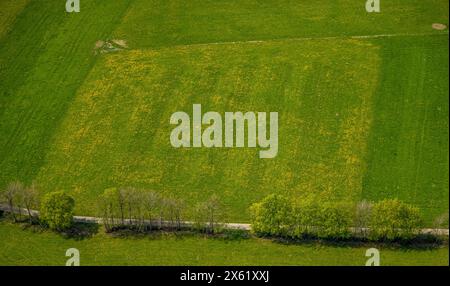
(115,132)
(362,102)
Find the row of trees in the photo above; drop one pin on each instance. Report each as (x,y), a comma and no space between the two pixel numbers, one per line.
(19,197)
(145,210)
(135,209)
(56,209)
(277,215)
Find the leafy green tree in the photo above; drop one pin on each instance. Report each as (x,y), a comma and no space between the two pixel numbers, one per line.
(305,216)
(313,217)
(272,216)
(392,219)
(57,211)
(334,220)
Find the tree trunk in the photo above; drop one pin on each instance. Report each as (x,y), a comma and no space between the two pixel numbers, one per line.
(11,208)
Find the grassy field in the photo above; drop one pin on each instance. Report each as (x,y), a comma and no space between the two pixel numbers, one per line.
(408,145)
(362,118)
(115,131)
(27,247)
(9,9)
(362,101)
(159,23)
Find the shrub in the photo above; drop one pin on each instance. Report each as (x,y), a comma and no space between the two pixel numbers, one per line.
(272,216)
(334,221)
(57,211)
(315,218)
(305,219)
(393,219)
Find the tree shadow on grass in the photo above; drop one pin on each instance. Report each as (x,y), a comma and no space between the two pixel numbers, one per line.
(422,242)
(80,231)
(178,234)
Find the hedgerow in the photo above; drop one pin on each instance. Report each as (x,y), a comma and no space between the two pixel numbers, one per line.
(280,216)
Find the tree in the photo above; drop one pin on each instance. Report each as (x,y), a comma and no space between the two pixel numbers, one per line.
(362,216)
(30,199)
(173,210)
(441,221)
(213,211)
(393,219)
(208,214)
(131,206)
(334,220)
(57,211)
(305,218)
(272,216)
(108,208)
(122,202)
(11,195)
(136,208)
(151,201)
(314,217)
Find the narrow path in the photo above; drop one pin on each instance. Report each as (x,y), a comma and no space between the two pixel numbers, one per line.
(235,226)
(300,39)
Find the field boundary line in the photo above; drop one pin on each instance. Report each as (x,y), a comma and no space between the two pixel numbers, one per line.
(233,226)
(298,39)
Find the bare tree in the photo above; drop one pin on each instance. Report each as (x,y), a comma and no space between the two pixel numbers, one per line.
(362,216)
(161,210)
(122,202)
(150,201)
(108,206)
(30,200)
(173,211)
(132,202)
(11,194)
(136,201)
(208,214)
(213,211)
(441,221)
(178,212)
